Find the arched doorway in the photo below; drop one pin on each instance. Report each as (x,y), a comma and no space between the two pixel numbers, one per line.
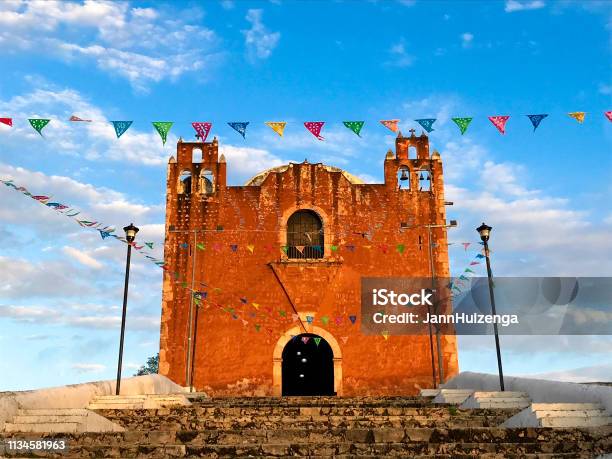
(307,366)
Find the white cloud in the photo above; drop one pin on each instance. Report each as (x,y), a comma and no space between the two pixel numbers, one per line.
(82,257)
(88,367)
(138,44)
(605,89)
(259,41)
(467,39)
(399,56)
(228,4)
(516,5)
(595,373)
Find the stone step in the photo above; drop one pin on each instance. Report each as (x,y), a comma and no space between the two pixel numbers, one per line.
(452,396)
(429,392)
(59,420)
(169,423)
(54,427)
(561,415)
(148,401)
(501,399)
(344,449)
(325,435)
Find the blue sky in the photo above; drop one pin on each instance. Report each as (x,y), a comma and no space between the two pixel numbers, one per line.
(547,194)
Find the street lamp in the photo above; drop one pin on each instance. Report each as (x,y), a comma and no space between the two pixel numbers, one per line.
(130,235)
(485,232)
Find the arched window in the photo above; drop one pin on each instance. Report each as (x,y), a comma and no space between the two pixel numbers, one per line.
(305,235)
(207,182)
(412,152)
(196,155)
(403,178)
(184,185)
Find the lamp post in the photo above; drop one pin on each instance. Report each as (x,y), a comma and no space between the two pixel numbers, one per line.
(130,235)
(485,232)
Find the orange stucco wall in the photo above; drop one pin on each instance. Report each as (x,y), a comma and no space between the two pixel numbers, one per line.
(232,357)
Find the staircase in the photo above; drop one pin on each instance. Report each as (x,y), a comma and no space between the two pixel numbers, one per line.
(324,427)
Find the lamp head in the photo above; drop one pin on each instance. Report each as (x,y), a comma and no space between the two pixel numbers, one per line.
(130,232)
(484,232)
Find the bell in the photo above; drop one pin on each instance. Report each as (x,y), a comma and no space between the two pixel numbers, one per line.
(404,177)
(422,177)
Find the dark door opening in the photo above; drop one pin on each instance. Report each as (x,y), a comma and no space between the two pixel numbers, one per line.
(308,366)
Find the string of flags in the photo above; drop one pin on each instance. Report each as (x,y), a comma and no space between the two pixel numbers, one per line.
(456,285)
(203,129)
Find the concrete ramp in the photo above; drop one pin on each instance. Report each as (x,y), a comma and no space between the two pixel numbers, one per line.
(60,420)
(561,415)
(429,392)
(507,400)
(452,396)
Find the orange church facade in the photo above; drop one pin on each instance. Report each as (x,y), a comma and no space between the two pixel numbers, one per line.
(261,292)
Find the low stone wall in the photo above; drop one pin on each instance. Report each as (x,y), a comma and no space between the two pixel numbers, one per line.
(79,395)
(539,390)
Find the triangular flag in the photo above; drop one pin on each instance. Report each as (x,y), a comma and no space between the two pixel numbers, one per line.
(202,129)
(283,313)
(608,115)
(354,126)
(244,322)
(162,128)
(465,245)
(338,320)
(334,248)
(38,124)
(468,270)
(480,255)
(400,248)
(257,327)
(149,245)
(239,127)
(427,123)
(315,128)
(536,120)
(7,121)
(300,248)
(277,126)
(390,124)
(199,245)
(234,247)
(578,116)
(317,248)
(243,300)
(383,248)
(104,234)
(353,319)
(250,247)
(305,339)
(295,317)
(76,118)
(309,319)
(474,263)
(344,339)
(462,123)
(121,127)
(317,340)
(385,335)
(499,122)
(284,248)
(325,320)
(350,247)
(255,305)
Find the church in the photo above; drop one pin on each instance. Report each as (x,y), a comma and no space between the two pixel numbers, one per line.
(261,289)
